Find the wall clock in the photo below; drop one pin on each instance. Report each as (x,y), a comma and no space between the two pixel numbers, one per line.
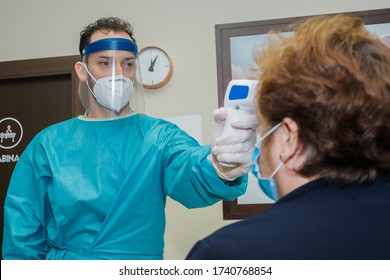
(156,67)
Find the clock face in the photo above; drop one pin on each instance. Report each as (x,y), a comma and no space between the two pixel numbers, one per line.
(156,67)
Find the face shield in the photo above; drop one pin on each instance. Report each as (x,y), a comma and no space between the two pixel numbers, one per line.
(114,78)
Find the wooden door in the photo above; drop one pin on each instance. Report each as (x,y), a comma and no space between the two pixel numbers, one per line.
(34,94)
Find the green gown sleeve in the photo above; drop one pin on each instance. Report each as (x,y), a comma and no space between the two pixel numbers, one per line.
(189,177)
(26,209)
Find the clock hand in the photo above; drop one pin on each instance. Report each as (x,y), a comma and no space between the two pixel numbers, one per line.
(151,67)
(154,61)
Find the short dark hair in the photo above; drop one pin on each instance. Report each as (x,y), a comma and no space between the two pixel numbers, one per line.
(104,24)
(332,77)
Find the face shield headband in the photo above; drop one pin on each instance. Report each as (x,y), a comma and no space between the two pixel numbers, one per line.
(118,44)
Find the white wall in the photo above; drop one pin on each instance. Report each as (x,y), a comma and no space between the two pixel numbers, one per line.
(185,29)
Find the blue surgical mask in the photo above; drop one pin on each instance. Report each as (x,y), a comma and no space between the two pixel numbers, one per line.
(267,185)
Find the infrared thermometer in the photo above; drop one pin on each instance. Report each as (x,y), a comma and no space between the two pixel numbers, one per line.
(239,100)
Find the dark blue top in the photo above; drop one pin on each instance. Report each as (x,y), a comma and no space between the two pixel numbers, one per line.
(319,220)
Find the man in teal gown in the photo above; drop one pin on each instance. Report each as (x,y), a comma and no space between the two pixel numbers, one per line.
(95,186)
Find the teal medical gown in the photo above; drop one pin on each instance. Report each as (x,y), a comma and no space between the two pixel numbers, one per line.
(97,189)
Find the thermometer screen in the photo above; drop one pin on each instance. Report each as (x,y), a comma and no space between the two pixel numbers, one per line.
(238,92)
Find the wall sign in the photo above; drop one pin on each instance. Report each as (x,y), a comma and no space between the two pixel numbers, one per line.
(11,133)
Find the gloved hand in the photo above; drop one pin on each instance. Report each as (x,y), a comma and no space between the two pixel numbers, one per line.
(235,147)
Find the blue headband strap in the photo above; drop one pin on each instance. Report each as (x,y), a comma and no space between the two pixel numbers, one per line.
(119,44)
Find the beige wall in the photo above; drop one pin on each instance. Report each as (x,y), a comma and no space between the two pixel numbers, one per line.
(185,29)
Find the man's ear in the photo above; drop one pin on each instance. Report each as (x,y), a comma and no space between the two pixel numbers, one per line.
(80,70)
(292,148)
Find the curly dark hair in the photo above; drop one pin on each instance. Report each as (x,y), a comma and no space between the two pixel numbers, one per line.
(332,77)
(105,25)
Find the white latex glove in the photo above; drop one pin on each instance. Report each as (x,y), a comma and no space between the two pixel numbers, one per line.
(235,147)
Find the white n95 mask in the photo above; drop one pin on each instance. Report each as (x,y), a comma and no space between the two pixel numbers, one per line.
(113,93)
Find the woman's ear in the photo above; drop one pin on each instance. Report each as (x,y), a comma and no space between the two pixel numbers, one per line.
(291,146)
(80,70)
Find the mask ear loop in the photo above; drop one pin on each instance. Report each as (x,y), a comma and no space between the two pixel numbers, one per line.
(268,133)
(276,170)
(89,73)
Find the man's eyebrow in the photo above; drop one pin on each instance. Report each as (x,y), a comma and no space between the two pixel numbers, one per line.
(105,57)
(111,57)
(129,58)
